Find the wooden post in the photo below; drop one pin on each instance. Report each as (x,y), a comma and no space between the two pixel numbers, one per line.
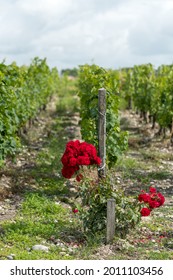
(110,220)
(102,132)
(102,168)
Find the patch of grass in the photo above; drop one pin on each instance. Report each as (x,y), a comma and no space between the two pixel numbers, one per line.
(127,163)
(40,218)
(124,122)
(70,103)
(140,170)
(131,167)
(148,176)
(63,105)
(157,155)
(160,175)
(159,255)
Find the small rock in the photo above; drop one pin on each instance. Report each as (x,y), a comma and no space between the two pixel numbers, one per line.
(7,200)
(58,175)
(57,202)
(63,249)
(13,255)
(62,253)
(59,244)
(10,257)
(71,250)
(40,248)
(144,228)
(74,190)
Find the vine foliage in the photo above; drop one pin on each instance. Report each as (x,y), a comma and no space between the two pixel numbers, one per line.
(91,79)
(23,92)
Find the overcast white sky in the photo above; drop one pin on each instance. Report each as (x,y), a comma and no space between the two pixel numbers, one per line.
(110,33)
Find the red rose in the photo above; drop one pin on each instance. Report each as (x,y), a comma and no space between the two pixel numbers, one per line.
(89,149)
(68,172)
(72,161)
(154,204)
(145,211)
(72,148)
(75,210)
(65,159)
(152,190)
(97,160)
(81,160)
(76,154)
(145,197)
(158,197)
(73,144)
(161,199)
(154,196)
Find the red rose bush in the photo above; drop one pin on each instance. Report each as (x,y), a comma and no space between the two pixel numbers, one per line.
(153,199)
(76,155)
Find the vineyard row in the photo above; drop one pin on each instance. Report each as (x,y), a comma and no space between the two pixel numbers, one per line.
(146,90)
(150,93)
(23,92)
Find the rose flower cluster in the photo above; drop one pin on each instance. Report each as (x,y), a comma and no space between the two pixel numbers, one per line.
(153,199)
(76,154)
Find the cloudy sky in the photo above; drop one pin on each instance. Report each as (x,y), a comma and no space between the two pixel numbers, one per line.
(110,33)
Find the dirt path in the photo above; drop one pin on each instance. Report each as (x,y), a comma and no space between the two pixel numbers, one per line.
(17,176)
(149,160)
(14,176)
(149,157)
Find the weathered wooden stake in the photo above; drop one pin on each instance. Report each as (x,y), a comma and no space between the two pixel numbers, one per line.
(102,167)
(110,220)
(102,132)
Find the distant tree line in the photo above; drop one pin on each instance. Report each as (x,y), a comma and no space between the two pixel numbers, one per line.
(70,72)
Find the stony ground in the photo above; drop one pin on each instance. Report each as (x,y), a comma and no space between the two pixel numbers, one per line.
(150,156)
(148,161)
